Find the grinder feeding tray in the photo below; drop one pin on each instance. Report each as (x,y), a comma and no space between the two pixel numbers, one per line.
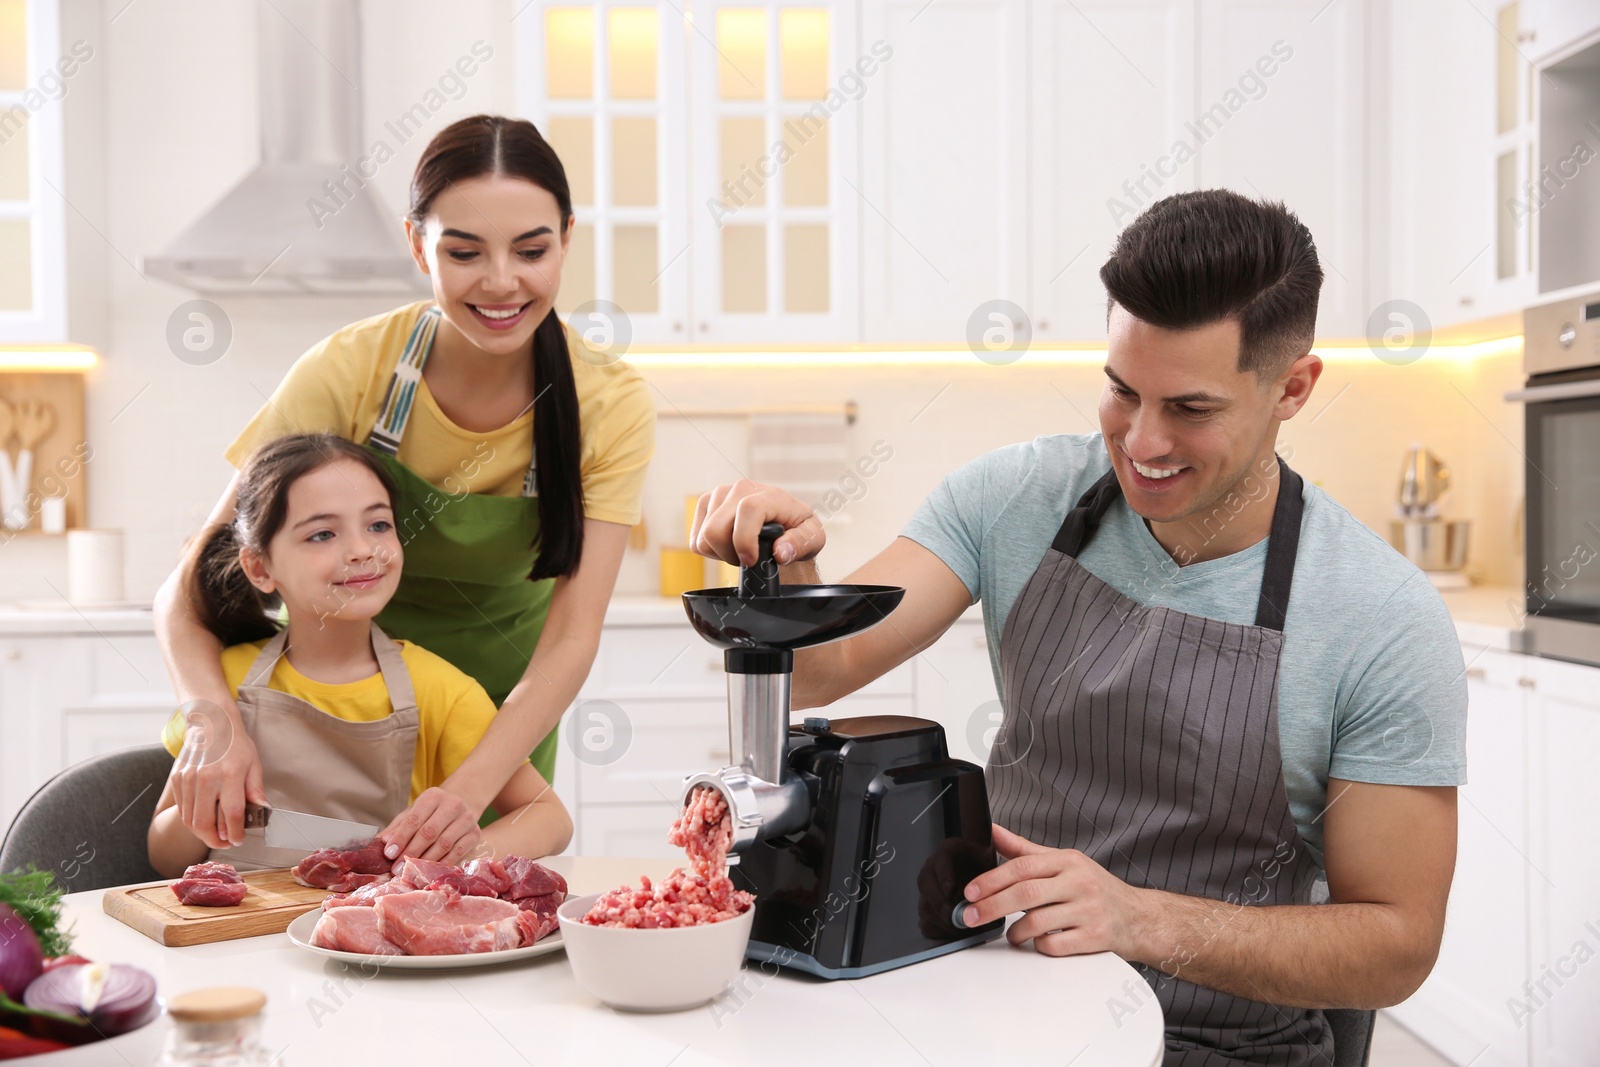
(857,836)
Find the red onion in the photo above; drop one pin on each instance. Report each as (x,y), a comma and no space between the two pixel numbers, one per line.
(20,957)
(107,998)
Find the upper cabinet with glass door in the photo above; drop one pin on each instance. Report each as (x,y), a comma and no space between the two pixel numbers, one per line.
(603,82)
(707,149)
(32,260)
(773,217)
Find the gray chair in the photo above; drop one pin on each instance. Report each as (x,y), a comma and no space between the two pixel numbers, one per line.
(1352,1035)
(88,823)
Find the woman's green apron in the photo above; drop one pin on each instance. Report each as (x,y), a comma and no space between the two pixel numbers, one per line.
(464,593)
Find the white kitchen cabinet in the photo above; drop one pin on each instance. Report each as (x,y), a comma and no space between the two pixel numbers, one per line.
(1297,134)
(774,218)
(1551,27)
(1440,236)
(1462,216)
(734,220)
(1112,99)
(33,267)
(605,84)
(943,183)
(955,688)
(67,697)
(1564,797)
(1462,1008)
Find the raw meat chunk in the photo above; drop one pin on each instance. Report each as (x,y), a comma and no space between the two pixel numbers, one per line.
(421,872)
(210,885)
(342,870)
(441,922)
(530,879)
(536,924)
(468,885)
(368,894)
(206,893)
(212,871)
(353,930)
(491,870)
(545,905)
(706,895)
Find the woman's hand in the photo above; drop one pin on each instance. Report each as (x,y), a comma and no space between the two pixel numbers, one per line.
(437,826)
(728,520)
(216,772)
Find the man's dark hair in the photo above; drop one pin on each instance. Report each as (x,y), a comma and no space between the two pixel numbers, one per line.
(1197,258)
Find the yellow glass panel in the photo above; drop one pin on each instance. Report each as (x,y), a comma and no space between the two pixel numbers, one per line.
(569,53)
(633,161)
(744,269)
(635,259)
(1506,196)
(572,136)
(13,44)
(16,266)
(803,38)
(633,35)
(742,149)
(805,175)
(741,53)
(805,268)
(577,270)
(14,165)
(1506,68)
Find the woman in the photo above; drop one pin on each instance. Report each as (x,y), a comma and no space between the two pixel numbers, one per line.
(520,459)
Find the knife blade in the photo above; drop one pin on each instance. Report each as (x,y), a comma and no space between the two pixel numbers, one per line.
(302,831)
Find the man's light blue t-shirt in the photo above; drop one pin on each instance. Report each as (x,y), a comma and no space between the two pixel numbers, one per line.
(1371,686)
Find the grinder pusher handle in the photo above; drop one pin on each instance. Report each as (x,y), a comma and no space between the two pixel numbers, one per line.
(760,579)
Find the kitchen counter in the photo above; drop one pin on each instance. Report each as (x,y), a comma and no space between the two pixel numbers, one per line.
(1488,615)
(993,1003)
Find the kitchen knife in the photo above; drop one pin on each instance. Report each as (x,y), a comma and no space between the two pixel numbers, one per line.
(303,832)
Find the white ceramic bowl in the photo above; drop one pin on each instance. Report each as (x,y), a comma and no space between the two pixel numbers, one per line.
(653,970)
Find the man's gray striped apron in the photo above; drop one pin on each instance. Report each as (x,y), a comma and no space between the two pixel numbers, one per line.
(1148,739)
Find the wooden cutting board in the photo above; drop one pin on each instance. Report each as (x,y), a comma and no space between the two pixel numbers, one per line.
(274,901)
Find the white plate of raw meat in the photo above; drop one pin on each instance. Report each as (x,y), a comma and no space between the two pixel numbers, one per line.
(300,933)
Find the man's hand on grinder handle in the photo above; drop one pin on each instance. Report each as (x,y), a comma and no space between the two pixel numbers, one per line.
(728,521)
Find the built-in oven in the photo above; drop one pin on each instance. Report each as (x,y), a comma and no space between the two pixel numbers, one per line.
(1561,355)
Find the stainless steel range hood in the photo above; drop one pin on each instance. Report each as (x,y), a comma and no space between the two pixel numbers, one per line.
(306,219)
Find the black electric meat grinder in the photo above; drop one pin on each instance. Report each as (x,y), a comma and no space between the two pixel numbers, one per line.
(857,836)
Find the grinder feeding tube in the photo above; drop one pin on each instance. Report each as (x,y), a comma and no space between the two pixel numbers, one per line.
(857,836)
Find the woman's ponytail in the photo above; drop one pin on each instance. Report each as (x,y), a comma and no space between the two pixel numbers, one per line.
(555,448)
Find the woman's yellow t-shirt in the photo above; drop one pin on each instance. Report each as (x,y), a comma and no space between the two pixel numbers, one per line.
(453,709)
(339,384)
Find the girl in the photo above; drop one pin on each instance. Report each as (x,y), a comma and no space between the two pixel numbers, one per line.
(347,722)
(519,455)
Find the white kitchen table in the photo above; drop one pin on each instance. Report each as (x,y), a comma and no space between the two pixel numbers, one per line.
(991,1004)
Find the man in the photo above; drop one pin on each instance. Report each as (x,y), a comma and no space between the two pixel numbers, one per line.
(1219,687)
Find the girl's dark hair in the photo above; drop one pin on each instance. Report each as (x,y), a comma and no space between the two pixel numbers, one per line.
(227,604)
(1197,258)
(495,145)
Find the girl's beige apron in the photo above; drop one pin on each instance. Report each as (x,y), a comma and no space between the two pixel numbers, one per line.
(315,762)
